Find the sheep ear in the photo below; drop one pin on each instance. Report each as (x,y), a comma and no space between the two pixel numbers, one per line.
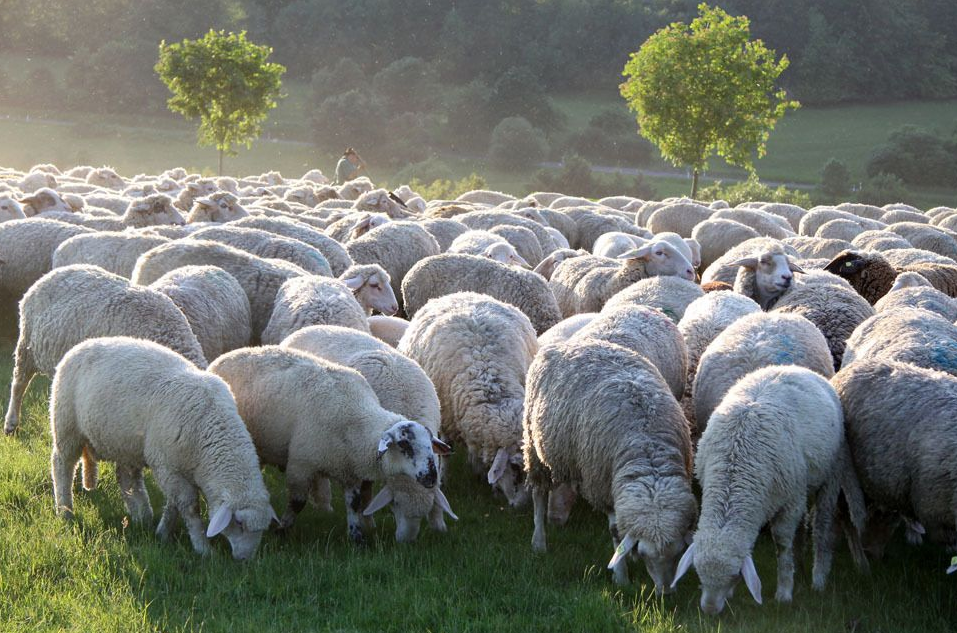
(444,503)
(522,261)
(378,502)
(751,579)
(794,267)
(953,566)
(384,443)
(354,283)
(622,550)
(219,521)
(745,262)
(440,448)
(273,516)
(687,559)
(498,466)
(643,252)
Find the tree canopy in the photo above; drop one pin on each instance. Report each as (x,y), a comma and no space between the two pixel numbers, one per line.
(706,89)
(226,81)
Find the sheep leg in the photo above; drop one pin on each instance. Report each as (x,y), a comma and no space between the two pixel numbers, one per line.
(63,461)
(365,493)
(436,514)
(620,570)
(182,494)
(298,483)
(560,502)
(320,493)
(354,508)
(133,491)
(783,529)
(168,520)
(23,371)
(540,503)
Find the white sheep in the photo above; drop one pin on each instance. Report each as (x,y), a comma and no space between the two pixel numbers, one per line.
(317,419)
(774,446)
(214,304)
(398,382)
(221,206)
(487,244)
(192,440)
(152,210)
(750,343)
(388,329)
(260,278)
(347,301)
(112,251)
(600,418)
(10,209)
(476,351)
(334,253)
(268,245)
(71,304)
(670,295)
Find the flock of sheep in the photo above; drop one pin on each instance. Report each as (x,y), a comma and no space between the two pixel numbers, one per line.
(204,327)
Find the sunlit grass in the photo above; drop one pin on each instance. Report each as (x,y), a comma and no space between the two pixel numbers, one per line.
(96,574)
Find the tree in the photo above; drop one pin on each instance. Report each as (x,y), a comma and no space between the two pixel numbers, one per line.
(706,89)
(226,81)
(835,180)
(516,144)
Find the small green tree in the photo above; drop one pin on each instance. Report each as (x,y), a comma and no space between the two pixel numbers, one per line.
(835,180)
(706,89)
(226,81)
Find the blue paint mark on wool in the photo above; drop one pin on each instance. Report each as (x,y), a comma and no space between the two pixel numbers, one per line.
(944,355)
(785,352)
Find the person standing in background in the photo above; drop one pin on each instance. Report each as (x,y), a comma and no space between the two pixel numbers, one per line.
(349,167)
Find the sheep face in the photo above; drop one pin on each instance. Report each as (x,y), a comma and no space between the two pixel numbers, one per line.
(10,209)
(548,265)
(368,223)
(531,214)
(660,562)
(406,449)
(695,247)
(221,206)
(243,528)
(507,474)
(773,273)
(505,254)
(720,566)
(153,210)
(907,279)
(374,292)
(43,200)
(106,178)
(662,260)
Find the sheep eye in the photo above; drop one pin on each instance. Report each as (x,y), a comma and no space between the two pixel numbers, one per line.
(848,265)
(659,253)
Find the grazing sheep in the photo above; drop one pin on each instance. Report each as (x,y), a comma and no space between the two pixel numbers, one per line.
(347,301)
(908,335)
(669,295)
(379,201)
(268,246)
(752,342)
(114,252)
(913,296)
(717,237)
(399,383)
(831,304)
(766,224)
(524,242)
(355,188)
(879,241)
(221,206)
(941,276)
(476,350)
(489,219)
(909,279)
(483,196)
(894,216)
(601,419)
(867,211)
(790,212)
(214,304)
(397,247)
(315,419)
(898,419)
(155,209)
(260,278)
(71,304)
(355,225)
(444,231)
(679,218)
(451,273)
(44,200)
(487,244)
(565,329)
(816,218)
(615,243)
(192,440)
(840,229)
(105,177)
(561,222)
(867,272)
(902,257)
(334,253)
(591,224)
(584,284)
(924,236)
(26,251)
(774,446)
(816,247)
(546,268)
(388,329)
(646,331)
(10,209)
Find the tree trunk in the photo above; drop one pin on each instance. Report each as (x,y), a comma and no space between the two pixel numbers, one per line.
(694,183)
(221,163)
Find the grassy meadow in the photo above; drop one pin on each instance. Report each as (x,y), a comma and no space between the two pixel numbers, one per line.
(99,573)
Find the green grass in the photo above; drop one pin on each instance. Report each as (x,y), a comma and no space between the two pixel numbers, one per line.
(99,574)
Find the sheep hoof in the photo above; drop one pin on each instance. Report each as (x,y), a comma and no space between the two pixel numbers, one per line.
(783,595)
(9,429)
